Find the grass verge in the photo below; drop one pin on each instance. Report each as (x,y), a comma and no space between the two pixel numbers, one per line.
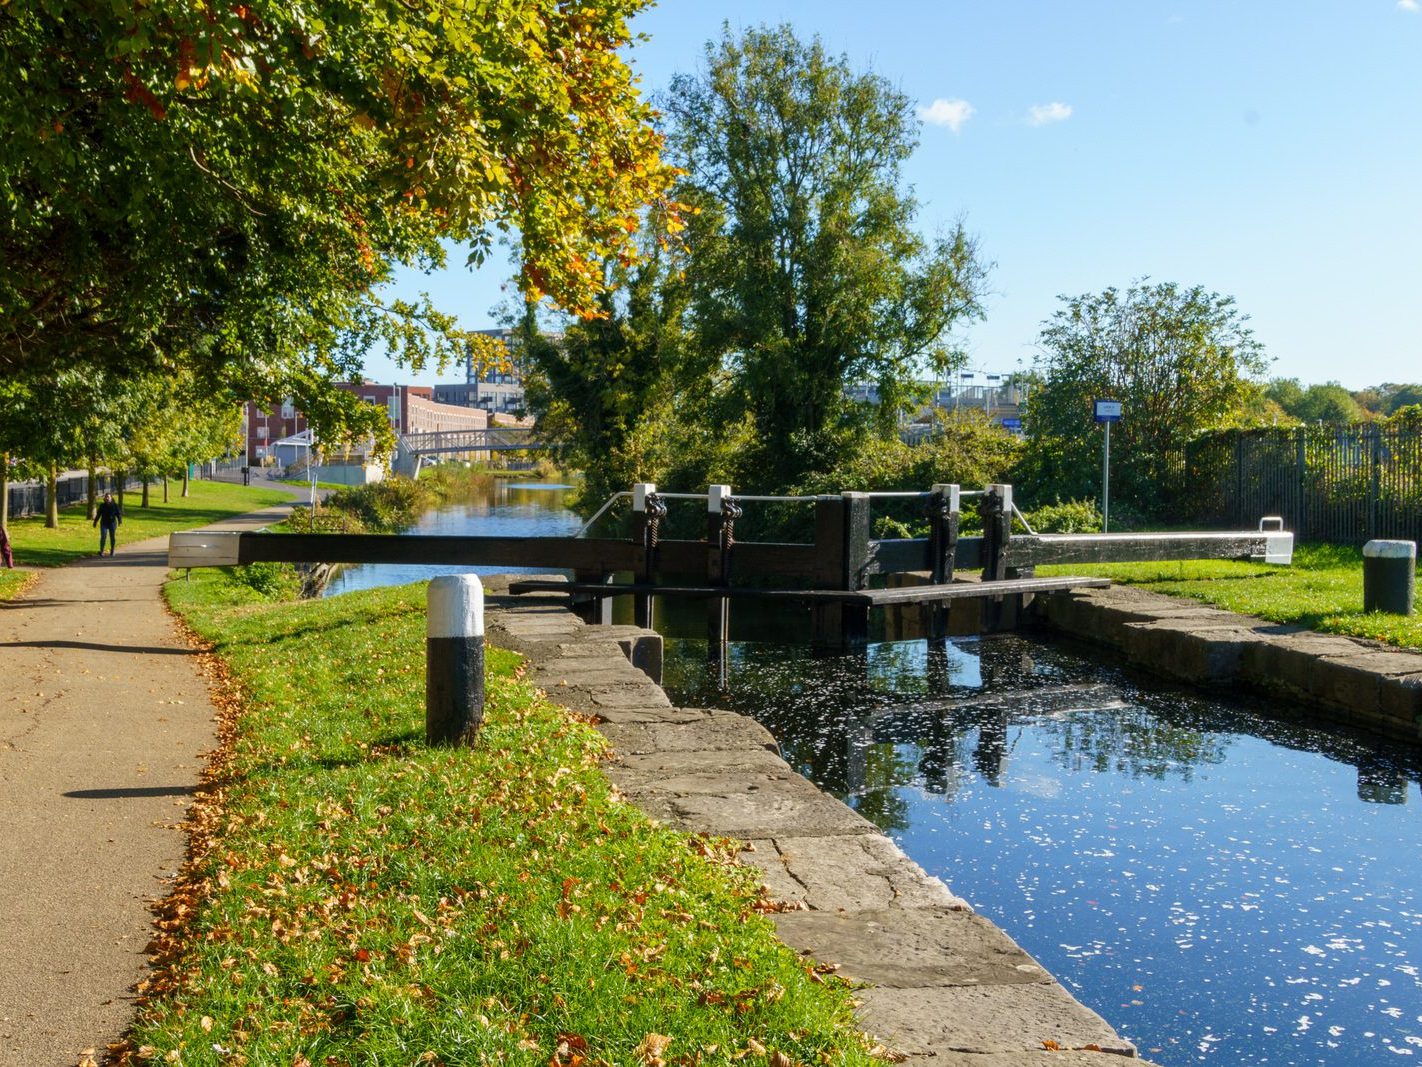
(1322,590)
(357,898)
(208,502)
(12,583)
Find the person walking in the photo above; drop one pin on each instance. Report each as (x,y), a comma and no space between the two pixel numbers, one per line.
(7,557)
(108,520)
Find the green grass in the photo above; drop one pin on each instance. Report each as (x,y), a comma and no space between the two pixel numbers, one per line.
(367,900)
(302,483)
(36,546)
(11,582)
(1322,590)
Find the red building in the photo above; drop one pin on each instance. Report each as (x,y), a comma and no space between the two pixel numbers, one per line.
(410,409)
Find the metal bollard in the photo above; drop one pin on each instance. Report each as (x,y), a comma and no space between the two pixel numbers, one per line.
(454,660)
(1389,576)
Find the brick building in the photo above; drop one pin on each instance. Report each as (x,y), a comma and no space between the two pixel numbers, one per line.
(409,408)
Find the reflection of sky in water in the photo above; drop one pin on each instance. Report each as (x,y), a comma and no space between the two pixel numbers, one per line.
(1222,887)
(518,510)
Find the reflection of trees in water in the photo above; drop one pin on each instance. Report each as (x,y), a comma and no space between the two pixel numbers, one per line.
(900,715)
(1133,741)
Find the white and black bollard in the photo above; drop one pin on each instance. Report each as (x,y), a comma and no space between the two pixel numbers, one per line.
(454,660)
(1389,576)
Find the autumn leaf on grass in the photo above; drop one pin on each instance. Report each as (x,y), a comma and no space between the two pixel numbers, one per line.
(651,1049)
(571,1051)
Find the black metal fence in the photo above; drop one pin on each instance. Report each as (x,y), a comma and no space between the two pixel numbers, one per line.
(1342,484)
(28,498)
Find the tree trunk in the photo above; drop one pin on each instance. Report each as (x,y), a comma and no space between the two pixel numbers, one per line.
(93,488)
(144,504)
(165,487)
(51,503)
(186,468)
(5,489)
(120,483)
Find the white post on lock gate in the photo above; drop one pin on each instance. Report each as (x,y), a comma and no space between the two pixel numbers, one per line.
(454,660)
(1106,411)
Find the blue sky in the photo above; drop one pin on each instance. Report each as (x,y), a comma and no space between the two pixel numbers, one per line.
(1268,150)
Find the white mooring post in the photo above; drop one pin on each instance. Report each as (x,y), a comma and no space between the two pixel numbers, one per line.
(1389,576)
(454,660)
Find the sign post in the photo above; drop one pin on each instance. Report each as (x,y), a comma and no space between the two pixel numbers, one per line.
(1106,411)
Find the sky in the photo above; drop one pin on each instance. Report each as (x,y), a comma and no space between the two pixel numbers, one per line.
(1267,150)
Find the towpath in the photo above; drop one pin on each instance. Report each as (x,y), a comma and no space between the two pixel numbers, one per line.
(104,720)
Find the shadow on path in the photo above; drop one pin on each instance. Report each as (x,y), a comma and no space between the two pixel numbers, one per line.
(134,791)
(92,646)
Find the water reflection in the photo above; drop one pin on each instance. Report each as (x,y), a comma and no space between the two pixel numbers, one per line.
(1225,882)
(494,509)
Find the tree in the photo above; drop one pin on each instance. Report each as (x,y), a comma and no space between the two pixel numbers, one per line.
(1328,403)
(1180,360)
(228,185)
(605,389)
(805,272)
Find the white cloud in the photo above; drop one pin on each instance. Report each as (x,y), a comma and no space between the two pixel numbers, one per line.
(1409,5)
(1043,114)
(950,113)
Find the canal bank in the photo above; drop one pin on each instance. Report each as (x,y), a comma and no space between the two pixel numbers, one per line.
(1351,680)
(942,981)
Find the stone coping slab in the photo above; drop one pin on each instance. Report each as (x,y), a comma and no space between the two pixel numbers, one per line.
(912,947)
(986,1019)
(1350,679)
(946,982)
(858,872)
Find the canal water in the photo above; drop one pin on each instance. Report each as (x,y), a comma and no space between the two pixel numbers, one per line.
(1223,882)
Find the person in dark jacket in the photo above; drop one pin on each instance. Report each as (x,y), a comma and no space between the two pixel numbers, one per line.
(108,519)
(7,557)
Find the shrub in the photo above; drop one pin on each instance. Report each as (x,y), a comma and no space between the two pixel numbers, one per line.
(386,506)
(272,581)
(1069,516)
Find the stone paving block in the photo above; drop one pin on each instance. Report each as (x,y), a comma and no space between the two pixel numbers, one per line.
(855,873)
(590,649)
(911,947)
(985,1019)
(628,696)
(689,771)
(1348,682)
(739,814)
(751,800)
(1400,697)
(576,673)
(716,730)
(1206,651)
(648,712)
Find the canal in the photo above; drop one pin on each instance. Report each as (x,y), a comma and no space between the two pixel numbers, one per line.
(1223,881)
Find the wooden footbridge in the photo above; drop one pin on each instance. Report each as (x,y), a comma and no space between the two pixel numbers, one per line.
(841,576)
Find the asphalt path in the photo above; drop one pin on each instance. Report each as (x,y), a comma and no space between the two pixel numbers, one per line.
(104,722)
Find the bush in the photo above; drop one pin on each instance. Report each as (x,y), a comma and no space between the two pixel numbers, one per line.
(384,507)
(1070,516)
(272,581)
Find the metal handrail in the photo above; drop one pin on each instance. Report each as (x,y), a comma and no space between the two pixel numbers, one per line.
(1023,519)
(600,512)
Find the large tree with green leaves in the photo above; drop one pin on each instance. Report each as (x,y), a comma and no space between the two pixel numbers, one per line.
(1181,361)
(806,271)
(227,185)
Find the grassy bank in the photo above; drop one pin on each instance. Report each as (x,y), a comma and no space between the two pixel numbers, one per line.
(36,546)
(11,582)
(357,898)
(1322,590)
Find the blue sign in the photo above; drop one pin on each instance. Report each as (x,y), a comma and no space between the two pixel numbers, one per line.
(1106,410)
(1011,424)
